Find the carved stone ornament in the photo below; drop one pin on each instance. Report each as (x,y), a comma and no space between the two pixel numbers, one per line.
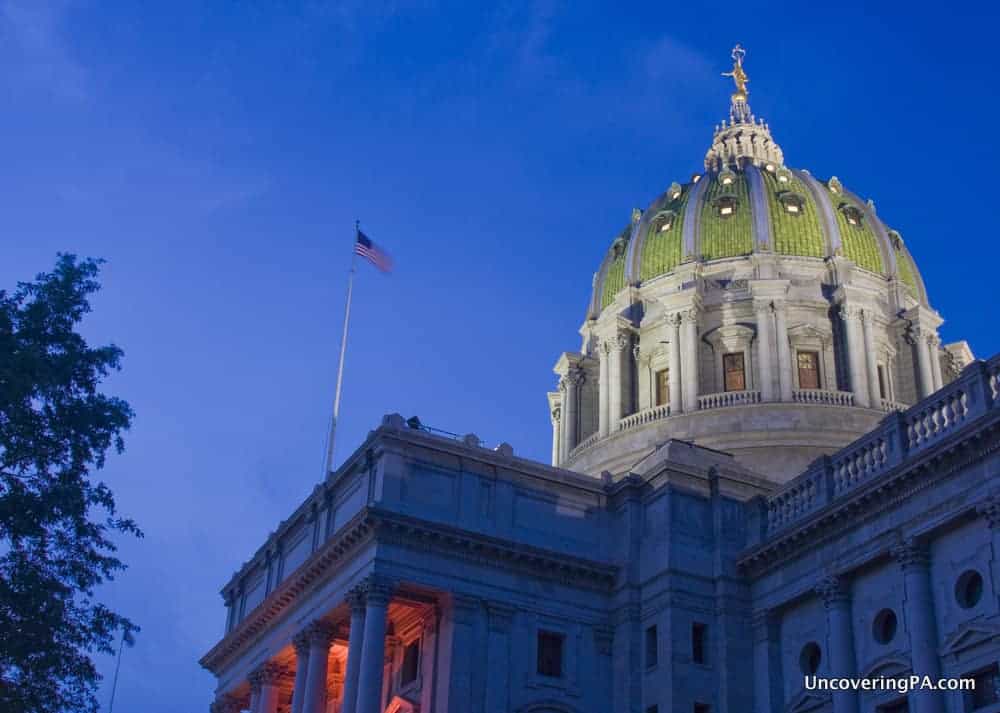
(689,316)
(267,674)
(911,553)
(850,312)
(300,642)
(574,376)
(989,509)
(621,341)
(833,591)
(604,347)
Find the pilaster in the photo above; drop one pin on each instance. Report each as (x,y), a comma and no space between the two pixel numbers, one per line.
(837,600)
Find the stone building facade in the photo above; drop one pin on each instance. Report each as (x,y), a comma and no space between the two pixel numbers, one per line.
(705,539)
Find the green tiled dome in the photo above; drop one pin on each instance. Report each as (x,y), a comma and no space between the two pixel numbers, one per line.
(733,213)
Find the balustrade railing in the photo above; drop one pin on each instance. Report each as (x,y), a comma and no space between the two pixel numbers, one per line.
(823,396)
(725,399)
(643,417)
(901,436)
(587,442)
(890,405)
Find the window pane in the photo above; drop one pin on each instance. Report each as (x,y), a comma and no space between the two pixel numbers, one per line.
(698,642)
(735,377)
(662,387)
(652,650)
(411,663)
(550,654)
(808,370)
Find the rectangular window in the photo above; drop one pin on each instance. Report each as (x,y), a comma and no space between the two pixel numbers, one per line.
(411,663)
(652,709)
(883,390)
(698,636)
(808,370)
(733,372)
(550,654)
(662,387)
(652,647)
(901,705)
(985,692)
(702,708)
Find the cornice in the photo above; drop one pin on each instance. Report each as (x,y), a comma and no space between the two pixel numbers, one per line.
(375,524)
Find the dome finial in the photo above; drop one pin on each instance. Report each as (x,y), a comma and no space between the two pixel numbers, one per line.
(740,78)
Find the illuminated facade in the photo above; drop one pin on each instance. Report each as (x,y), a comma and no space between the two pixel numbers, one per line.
(765,467)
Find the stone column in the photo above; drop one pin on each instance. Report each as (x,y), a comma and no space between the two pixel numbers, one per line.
(855,355)
(933,349)
(871,364)
(689,365)
(603,402)
(356,600)
(767,674)
(377,595)
(320,635)
(557,435)
(564,447)
(571,400)
(784,351)
(765,349)
(618,344)
(265,679)
(301,645)
(919,608)
(920,337)
(674,365)
(840,635)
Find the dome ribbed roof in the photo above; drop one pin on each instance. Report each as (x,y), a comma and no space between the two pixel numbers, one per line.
(748,202)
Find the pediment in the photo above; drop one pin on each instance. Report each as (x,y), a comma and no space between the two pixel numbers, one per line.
(805,701)
(809,332)
(398,704)
(969,634)
(730,335)
(890,666)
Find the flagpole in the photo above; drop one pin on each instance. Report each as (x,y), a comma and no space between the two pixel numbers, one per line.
(118,665)
(331,439)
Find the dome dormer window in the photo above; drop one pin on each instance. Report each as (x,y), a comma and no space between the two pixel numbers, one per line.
(769,167)
(834,185)
(784,176)
(852,214)
(726,206)
(792,203)
(695,178)
(675,192)
(663,222)
(727,178)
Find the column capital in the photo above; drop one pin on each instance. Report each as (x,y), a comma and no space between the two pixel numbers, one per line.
(300,642)
(319,633)
(604,347)
(377,590)
(762,305)
(226,703)
(604,637)
(833,590)
(850,313)
(355,598)
(911,554)
(763,624)
(267,674)
(500,616)
(989,510)
(689,315)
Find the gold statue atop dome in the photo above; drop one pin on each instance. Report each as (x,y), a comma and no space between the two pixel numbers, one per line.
(738,75)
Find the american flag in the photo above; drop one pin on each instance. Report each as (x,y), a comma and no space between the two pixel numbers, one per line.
(371,252)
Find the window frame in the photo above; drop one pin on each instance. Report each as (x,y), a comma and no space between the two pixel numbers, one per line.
(552,636)
(725,370)
(815,355)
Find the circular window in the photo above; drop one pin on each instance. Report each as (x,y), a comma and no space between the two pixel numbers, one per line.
(884,626)
(810,658)
(969,589)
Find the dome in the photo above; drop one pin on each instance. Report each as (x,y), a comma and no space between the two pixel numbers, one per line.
(748,208)
(755,309)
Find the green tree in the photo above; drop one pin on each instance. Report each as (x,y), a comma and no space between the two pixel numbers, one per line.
(56,521)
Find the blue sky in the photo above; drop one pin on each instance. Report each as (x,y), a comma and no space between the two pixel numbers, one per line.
(217,155)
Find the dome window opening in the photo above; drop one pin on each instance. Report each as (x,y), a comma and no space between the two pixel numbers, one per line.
(674,193)
(663,222)
(727,178)
(784,176)
(769,167)
(852,214)
(695,178)
(834,185)
(726,206)
(793,203)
